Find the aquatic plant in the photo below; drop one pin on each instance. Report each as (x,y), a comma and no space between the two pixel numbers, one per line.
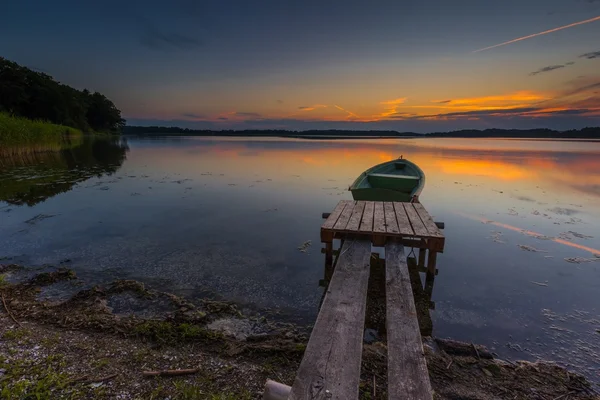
(17,130)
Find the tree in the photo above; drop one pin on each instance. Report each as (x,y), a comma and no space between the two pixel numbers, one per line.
(36,95)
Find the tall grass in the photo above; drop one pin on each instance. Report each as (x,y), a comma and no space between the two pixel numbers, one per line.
(18,131)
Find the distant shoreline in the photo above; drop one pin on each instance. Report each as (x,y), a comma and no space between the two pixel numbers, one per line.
(592,134)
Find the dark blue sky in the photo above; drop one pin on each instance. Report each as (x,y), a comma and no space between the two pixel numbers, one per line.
(406,65)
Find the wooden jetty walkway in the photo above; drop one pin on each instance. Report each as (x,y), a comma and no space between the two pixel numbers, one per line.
(330,368)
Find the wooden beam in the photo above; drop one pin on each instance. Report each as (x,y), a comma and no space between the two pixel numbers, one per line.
(431,261)
(330,368)
(335,214)
(391,224)
(342,221)
(431,226)
(403,222)
(366,224)
(408,377)
(356,217)
(415,220)
(379,218)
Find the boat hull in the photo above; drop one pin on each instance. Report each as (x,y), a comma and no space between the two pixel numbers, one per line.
(397,180)
(377,194)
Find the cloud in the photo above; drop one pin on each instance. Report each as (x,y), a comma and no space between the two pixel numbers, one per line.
(155,39)
(547,69)
(587,21)
(193,115)
(223,118)
(311,108)
(592,55)
(441,101)
(395,102)
(248,114)
(570,63)
(350,114)
(392,108)
(279,101)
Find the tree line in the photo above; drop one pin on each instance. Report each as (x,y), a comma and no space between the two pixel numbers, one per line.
(36,95)
(585,133)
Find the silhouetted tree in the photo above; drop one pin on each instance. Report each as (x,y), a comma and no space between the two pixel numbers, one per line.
(35,95)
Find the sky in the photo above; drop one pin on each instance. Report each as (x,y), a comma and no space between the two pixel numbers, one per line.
(407,65)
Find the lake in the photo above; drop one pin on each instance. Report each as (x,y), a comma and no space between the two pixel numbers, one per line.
(225,217)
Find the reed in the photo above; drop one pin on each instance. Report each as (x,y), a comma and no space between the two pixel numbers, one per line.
(17,131)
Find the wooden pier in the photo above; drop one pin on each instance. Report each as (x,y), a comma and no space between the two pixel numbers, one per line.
(331,366)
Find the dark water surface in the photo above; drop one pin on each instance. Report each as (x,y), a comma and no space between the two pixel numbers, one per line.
(225,218)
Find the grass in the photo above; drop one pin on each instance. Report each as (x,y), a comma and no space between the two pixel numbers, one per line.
(16,334)
(33,379)
(18,130)
(168,333)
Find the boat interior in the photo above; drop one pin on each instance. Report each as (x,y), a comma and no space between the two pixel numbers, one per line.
(397,176)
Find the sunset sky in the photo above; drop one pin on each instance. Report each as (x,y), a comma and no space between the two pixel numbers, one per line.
(322,64)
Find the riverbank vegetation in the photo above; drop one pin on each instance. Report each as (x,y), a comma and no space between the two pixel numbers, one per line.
(18,130)
(36,96)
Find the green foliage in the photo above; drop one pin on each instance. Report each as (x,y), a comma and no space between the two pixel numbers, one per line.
(37,96)
(33,379)
(16,334)
(18,130)
(3,281)
(166,332)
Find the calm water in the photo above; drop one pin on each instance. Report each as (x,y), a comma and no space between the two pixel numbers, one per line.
(225,217)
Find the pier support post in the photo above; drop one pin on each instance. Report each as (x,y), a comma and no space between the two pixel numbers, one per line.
(431,261)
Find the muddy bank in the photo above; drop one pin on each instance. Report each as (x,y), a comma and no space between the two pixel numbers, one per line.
(65,340)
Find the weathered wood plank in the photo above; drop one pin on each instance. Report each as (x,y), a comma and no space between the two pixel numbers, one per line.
(403,223)
(432,228)
(330,368)
(366,224)
(379,218)
(415,220)
(391,225)
(408,377)
(356,217)
(335,214)
(342,221)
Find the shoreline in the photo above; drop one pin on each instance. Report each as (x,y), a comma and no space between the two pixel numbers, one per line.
(98,342)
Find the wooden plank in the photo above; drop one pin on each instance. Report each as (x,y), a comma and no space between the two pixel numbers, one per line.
(403,223)
(330,368)
(391,225)
(408,377)
(431,261)
(415,220)
(379,218)
(366,224)
(335,214)
(355,218)
(342,221)
(432,228)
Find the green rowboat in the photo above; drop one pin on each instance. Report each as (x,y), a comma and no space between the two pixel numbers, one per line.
(397,180)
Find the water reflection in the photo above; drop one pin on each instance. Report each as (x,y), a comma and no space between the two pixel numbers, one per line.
(226,216)
(31,175)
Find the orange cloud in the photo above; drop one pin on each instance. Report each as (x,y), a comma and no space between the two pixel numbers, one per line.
(350,114)
(393,106)
(587,21)
(312,108)
(395,102)
(521,96)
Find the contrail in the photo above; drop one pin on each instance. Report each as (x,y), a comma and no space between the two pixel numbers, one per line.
(540,34)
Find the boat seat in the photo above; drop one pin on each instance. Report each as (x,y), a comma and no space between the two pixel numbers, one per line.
(407,177)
